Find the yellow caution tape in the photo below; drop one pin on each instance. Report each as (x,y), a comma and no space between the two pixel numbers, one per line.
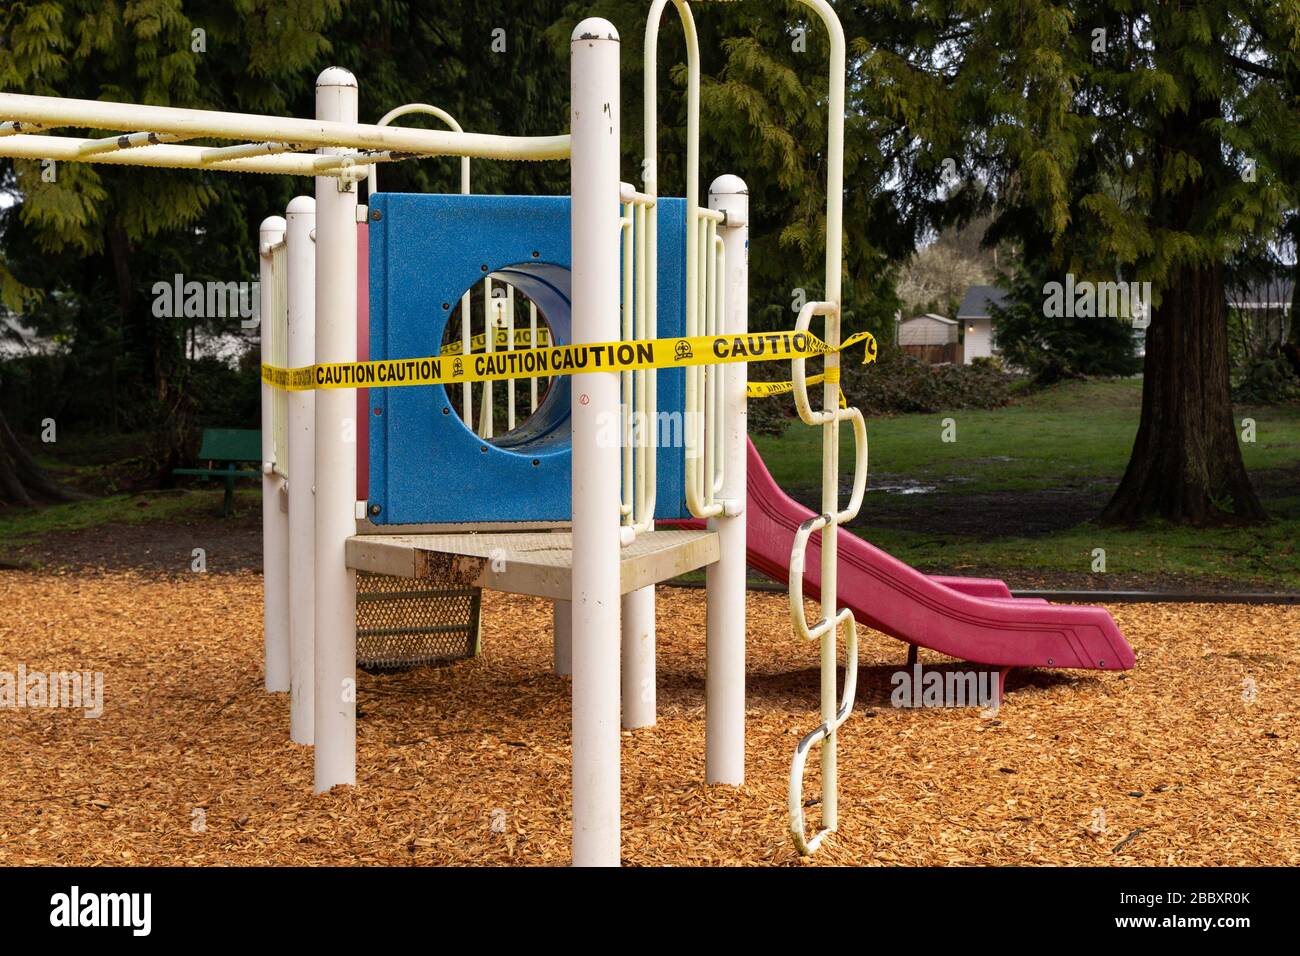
(768,389)
(502,338)
(453,369)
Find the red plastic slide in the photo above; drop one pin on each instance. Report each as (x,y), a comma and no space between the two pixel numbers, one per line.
(973,619)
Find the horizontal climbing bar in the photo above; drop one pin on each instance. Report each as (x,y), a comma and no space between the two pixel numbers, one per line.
(110,144)
(194,124)
(66,149)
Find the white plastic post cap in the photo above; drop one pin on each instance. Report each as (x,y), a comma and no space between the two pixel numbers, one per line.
(730,194)
(301,206)
(273,224)
(336,76)
(728,185)
(595,28)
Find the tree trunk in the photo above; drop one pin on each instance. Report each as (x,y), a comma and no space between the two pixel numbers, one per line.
(1186,465)
(22,482)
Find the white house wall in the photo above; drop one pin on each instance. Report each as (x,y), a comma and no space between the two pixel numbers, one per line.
(979,339)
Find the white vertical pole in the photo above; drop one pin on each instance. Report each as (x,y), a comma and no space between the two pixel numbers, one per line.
(594,126)
(275,523)
(489,345)
(300,260)
(336,462)
(466,336)
(532,337)
(510,347)
(725,646)
(831,403)
(639,658)
(562,626)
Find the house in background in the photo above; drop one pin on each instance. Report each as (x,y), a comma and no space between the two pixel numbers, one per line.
(930,338)
(975,315)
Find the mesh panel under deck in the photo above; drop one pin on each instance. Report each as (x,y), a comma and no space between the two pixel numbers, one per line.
(401,623)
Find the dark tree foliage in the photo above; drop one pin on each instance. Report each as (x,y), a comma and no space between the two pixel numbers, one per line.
(79,256)
(1159,138)
(1056,347)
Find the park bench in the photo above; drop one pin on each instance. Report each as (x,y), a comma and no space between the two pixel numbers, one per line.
(224,449)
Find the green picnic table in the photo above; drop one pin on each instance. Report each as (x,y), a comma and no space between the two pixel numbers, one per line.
(224,450)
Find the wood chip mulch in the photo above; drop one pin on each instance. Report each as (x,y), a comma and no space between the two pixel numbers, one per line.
(1191,758)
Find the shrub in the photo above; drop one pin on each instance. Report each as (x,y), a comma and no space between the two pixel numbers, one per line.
(897,383)
(1268,379)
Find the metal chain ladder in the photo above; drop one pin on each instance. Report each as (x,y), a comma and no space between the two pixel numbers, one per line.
(833,713)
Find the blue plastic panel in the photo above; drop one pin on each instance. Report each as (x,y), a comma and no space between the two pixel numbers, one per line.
(426,466)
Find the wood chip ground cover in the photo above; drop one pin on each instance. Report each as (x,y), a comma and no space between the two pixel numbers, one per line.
(1191,758)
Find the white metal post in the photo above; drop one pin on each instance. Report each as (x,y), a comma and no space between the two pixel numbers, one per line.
(300,259)
(489,344)
(639,658)
(725,580)
(336,463)
(831,403)
(594,122)
(562,627)
(275,523)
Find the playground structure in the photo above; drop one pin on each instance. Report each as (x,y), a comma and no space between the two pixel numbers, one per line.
(397,481)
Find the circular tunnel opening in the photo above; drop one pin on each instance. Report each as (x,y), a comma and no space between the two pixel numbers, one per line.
(506,303)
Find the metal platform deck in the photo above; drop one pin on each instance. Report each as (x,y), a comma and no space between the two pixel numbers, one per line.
(536,563)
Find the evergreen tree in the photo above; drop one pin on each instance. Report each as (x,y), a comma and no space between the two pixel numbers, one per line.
(127,228)
(79,256)
(1158,138)
(763,117)
(1154,137)
(1052,347)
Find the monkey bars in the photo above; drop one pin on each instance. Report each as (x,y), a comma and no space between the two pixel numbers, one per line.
(153,134)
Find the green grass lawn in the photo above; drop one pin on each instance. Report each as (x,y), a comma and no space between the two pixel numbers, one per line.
(23,526)
(1074,438)
(95,463)
(1078,430)
(1255,558)
(1077,435)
